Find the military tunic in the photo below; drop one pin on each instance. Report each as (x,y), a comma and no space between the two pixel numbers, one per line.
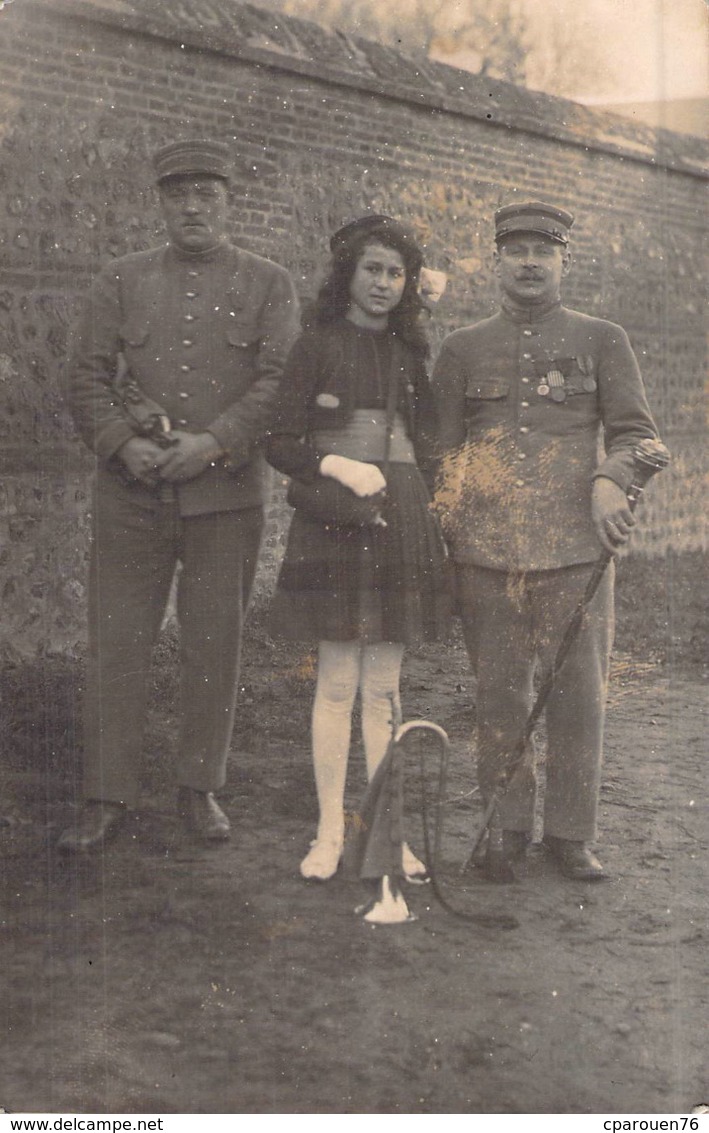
(205,336)
(524,402)
(533,406)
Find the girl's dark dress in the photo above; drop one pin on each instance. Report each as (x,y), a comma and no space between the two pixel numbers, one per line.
(370,583)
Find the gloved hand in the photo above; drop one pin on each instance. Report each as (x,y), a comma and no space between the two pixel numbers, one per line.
(361,478)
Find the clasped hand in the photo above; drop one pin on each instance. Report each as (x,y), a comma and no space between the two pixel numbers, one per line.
(188,455)
(611,513)
(361,478)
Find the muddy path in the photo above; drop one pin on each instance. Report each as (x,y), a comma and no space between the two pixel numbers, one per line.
(162,978)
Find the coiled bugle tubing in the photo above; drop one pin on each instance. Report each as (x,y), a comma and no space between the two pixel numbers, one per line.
(432,839)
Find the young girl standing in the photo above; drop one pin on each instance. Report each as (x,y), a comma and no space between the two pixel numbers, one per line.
(355,408)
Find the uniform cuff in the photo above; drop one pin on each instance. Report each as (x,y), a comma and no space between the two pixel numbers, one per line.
(616,469)
(234,454)
(112,438)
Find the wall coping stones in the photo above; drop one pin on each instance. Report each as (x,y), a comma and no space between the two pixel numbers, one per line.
(286,43)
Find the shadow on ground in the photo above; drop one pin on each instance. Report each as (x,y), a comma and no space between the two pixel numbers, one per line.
(159,977)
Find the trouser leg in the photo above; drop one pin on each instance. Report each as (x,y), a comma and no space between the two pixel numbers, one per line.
(575,711)
(497,626)
(132,563)
(219,555)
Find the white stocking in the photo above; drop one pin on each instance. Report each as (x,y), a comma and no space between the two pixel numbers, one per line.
(380,672)
(338,678)
(380,676)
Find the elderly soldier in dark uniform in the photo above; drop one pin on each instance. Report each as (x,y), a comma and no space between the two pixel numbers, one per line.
(528,504)
(200,330)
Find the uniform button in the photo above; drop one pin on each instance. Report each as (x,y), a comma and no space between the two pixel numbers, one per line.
(193,274)
(519,483)
(527,333)
(181,421)
(524,428)
(524,404)
(183,395)
(191,294)
(189,318)
(526,381)
(186,341)
(527,356)
(521,456)
(185,368)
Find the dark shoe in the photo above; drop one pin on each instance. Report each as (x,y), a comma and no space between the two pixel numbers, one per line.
(96,822)
(515,844)
(202,815)
(575,860)
(497,862)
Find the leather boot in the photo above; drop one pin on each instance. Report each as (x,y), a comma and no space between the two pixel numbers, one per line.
(515,844)
(95,823)
(574,859)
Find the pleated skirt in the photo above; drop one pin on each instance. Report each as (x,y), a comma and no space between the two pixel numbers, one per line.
(367,584)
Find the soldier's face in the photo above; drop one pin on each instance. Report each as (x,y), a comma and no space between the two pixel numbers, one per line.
(530,267)
(195,211)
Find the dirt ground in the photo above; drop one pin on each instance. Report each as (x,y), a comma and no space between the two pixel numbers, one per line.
(159,977)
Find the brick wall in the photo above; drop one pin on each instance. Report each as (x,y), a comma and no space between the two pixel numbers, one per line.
(324,127)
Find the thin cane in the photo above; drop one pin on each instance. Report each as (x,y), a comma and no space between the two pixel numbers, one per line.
(649,456)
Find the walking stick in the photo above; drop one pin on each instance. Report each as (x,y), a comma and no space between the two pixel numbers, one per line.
(649,456)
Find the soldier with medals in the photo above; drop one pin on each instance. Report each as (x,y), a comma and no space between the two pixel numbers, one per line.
(524,399)
(172,381)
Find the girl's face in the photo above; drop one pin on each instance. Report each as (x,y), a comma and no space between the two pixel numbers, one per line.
(376,286)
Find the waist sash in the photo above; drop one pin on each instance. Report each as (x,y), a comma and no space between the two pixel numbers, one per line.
(364,438)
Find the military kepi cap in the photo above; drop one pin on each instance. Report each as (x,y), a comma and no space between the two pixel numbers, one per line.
(193,156)
(533,216)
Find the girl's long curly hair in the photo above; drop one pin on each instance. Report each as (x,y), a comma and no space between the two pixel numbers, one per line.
(333,299)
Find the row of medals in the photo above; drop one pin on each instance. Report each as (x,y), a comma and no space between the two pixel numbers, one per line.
(553,385)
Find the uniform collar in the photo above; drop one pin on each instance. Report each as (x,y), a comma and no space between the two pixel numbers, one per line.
(529,314)
(179,255)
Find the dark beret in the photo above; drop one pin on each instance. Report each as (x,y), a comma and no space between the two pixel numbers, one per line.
(376,227)
(193,156)
(533,216)
(374,224)
(360,227)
